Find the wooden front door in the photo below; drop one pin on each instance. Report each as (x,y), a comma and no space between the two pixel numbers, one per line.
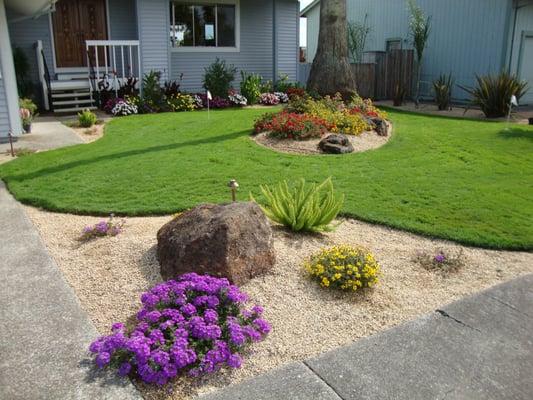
(74,22)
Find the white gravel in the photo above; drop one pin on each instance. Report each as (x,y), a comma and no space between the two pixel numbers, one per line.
(109,274)
(368,140)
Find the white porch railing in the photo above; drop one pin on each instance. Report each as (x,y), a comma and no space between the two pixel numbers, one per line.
(113,62)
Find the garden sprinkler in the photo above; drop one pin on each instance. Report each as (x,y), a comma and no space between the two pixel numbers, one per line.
(233,185)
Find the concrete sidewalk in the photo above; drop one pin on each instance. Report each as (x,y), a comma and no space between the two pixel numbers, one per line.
(47,133)
(480,347)
(45,333)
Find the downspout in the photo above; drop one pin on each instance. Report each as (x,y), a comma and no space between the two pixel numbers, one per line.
(274,44)
(8,74)
(512,38)
(516,8)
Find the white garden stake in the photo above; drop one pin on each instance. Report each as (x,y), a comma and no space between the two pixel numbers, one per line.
(209,97)
(514,102)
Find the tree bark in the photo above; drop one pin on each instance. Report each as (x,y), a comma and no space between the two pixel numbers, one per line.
(331,71)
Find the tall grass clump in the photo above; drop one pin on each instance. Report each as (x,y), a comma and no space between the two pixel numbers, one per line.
(443,91)
(302,207)
(493,93)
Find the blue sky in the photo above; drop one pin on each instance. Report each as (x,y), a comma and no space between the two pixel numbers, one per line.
(303,26)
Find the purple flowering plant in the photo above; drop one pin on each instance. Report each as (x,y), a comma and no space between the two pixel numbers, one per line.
(440,260)
(193,325)
(111,227)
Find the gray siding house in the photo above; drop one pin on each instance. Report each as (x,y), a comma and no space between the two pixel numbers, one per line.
(65,41)
(468,37)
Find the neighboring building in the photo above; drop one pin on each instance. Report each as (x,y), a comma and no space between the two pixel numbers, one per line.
(136,36)
(468,37)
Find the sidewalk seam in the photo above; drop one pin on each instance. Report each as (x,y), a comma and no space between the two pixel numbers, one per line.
(325,382)
(446,315)
(507,305)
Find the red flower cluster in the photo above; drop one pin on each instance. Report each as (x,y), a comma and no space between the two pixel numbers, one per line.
(293,126)
(368,113)
(295,92)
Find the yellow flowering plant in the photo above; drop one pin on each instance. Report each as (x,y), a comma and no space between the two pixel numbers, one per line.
(346,119)
(344,267)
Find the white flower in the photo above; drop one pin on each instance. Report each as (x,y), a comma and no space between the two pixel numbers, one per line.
(282,97)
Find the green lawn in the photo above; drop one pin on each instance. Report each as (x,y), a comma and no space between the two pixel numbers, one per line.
(469,181)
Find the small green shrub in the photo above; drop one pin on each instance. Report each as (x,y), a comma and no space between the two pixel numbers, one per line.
(344,267)
(181,102)
(251,86)
(443,91)
(440,260)
(86,118)
(29,105)
(218,77)
(283,84)
(302,207)
(493,93)
(152,93)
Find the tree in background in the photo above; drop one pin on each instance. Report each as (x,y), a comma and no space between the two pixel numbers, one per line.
(331,71)
(357,34)
(420,27)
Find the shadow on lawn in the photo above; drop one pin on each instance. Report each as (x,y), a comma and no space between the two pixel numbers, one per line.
(131,153)
(516,133)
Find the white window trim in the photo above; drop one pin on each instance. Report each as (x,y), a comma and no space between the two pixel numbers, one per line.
(210,49)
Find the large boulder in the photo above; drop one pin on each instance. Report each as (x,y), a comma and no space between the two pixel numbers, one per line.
(227,240)
(335,144)
(380,126)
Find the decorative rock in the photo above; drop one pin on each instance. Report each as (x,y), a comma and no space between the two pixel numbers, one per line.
(227,240)
(380,126)
(335,144)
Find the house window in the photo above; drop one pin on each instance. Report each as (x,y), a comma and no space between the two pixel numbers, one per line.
(394,44)
(203,25)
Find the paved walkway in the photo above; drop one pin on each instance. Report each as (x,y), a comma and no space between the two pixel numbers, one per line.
(45,333)
(480,347)
(47,133)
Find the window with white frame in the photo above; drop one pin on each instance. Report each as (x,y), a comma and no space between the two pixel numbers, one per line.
(203,24)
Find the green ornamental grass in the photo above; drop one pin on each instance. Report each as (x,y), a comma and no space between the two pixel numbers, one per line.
(301,206)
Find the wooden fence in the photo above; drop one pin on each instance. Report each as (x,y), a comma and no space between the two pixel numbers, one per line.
(379,74)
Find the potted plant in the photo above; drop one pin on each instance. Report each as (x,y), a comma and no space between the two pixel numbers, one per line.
(28,110)
(26,118)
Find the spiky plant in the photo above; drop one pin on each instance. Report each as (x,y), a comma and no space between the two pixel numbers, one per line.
(493,93)
(301,206)
(443,91)
(420,28)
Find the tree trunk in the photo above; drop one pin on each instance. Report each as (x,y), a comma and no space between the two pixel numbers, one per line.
(331,71)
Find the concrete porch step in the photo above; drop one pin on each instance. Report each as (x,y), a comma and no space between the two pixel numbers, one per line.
(70,95)
(73,110)
(71,102)
(69,85)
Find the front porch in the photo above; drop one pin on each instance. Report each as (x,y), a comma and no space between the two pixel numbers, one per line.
(76,49)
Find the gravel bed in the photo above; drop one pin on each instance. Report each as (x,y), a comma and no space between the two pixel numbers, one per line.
(365,141)
(109,274)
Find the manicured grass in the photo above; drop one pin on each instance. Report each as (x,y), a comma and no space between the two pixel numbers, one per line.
(468,181)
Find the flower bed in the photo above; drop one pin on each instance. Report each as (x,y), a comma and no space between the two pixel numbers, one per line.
(294,305)
(285,125)
(194,325)
(353,117)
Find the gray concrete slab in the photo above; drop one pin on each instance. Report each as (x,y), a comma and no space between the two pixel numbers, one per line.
(45,333)
(517,294)
(47,133)
(477,348)
(291,382)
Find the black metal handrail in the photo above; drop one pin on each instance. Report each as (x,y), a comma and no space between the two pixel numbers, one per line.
(47,81)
